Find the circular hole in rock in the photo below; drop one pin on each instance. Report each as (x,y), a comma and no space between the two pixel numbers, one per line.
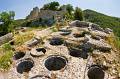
(38,52)
(18,55)
(65,33)
(96,73)
(56,41)
(25,66)
(95,37)
(75,52)
(54,63)
(41,49)
(65,30)
(77,35)
(12,42)
(40,77)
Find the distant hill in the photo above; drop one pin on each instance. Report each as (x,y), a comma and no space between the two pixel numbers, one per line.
(18,22)
(103,20)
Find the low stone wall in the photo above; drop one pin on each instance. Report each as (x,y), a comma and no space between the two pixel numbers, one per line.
(6,38)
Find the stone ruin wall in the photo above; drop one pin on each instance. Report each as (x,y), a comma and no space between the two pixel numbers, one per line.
(47,14)
(33,14)
(44,14)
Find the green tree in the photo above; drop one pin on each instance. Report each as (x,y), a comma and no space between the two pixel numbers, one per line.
(51,6)
(46,7)
(54,5)
(12,14)
(69,8)
(68,16)
(78,14)
(7,19)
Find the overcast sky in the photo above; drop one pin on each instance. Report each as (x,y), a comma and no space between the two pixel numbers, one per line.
(23,7)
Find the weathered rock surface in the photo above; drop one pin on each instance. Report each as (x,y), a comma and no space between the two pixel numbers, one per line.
(37,52)
(96,27)
(33,42)
(73,23)
(76,50)
(100,34)
(6,38)
(108,30)
(98,44)
(78,23)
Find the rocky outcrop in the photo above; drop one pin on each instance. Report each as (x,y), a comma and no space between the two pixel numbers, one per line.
(78,23)
(36,52)
(98,44)
(95,27)
(100,34)
(90,26)
(33,42)
(108,30)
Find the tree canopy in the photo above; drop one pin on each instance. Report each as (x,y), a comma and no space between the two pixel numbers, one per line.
(68,7)
(6,18)
(51,6)
(78,14)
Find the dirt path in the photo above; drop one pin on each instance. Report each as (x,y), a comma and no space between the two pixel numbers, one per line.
(3,75)
(44,32)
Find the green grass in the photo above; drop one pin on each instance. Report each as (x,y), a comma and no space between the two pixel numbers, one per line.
(54,29)
(114,41)
(20,39)
(7,47)
(5,60)
(6,57)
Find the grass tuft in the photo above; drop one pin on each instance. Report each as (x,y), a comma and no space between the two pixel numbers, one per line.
(20,39)
(6,56)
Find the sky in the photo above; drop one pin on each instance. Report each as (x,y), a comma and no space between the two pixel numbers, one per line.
(23,7)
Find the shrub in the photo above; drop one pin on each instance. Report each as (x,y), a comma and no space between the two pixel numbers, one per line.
(21,39)
(78,14)
(5,60)
(7,46)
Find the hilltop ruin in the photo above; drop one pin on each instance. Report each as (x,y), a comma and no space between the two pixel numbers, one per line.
(37,13)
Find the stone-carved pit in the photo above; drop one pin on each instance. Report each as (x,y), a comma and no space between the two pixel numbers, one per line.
(54,63)
(18,55)
(40,77)
(56,41)
(96,73)
(25,65)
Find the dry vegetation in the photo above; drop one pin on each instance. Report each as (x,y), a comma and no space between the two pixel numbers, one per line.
(22,38)
(6,54)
